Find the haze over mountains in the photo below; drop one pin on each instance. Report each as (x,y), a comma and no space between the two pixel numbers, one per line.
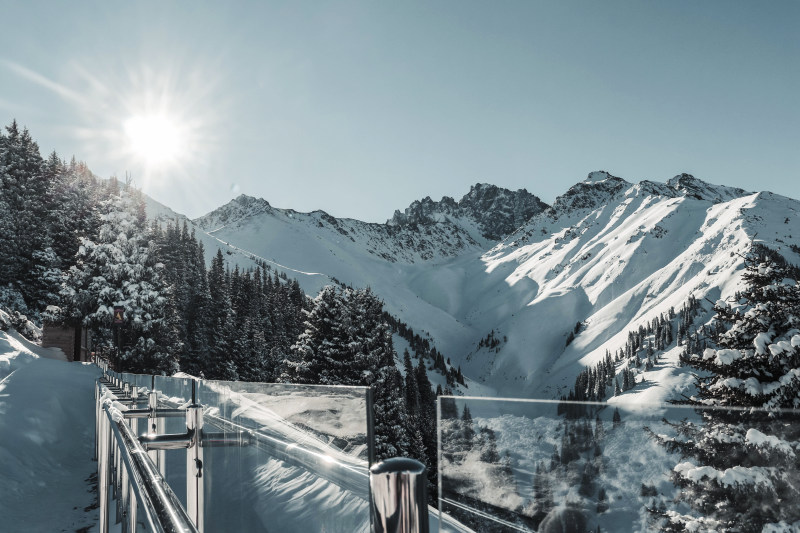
(605,258)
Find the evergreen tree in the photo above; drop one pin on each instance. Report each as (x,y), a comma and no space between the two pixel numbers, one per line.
(119,269)
(756,365)
(347,342)
(320,354)
(412,390)
(221,322)
(24,201)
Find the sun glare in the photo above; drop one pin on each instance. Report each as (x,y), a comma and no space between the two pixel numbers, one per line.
(155,138)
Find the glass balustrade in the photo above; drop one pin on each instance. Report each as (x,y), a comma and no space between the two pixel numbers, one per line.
(285,457)
(272,457)
(546,466)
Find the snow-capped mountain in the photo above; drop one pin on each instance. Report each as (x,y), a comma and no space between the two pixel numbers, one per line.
(426,231)
(502,267)
(612,256)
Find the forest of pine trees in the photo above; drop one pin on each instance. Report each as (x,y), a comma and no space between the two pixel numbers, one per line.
(747,363)
(73,246)
(614,375)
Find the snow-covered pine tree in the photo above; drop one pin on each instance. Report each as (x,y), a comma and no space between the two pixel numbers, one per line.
(347,342)
(219,364)
(426,421)
(24,199)
(391,435)
(73,213)
(119,268)
(184,270)
(320,354)
(412,391)
(373,363)
(741,469)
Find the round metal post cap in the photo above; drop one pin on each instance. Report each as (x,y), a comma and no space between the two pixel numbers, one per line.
(397,465)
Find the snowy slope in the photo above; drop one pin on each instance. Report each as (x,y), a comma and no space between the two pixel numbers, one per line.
(164,215)
(608,253)
(617,264)
(46,439)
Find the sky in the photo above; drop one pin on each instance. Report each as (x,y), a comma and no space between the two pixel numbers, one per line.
(360,108)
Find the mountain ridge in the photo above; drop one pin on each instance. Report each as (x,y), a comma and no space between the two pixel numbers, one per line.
(497,211)
(607,254)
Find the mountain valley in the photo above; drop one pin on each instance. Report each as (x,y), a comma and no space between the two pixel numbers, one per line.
(605,258)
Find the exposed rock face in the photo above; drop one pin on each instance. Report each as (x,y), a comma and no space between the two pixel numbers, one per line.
(688,185)
(239,208)
(497,211)
(597,189)
(430,230)
(600,188)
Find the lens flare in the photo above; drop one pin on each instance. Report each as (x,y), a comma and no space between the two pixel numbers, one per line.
(156,138)
(159,121)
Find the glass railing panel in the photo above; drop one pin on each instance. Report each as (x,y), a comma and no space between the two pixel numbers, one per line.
(142,381)
(519,465)
(285,457)
(173,393)
(177,391)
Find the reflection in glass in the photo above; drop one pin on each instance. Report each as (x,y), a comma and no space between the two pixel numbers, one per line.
(273,457)
(285,457)
(517,465)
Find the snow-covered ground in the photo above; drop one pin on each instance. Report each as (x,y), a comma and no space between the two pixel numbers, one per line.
(47,475)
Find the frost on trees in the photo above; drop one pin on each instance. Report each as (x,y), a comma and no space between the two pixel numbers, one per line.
(119,269)
(739,467)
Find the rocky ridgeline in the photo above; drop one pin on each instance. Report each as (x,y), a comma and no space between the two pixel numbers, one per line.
(497,211)
(600,188)
(430,230)
(597,189)
(239,208)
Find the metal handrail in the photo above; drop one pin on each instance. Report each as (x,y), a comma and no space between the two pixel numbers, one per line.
(162,508)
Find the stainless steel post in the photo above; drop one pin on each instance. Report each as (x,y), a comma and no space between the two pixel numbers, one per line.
(399,496)
(194,466)
(118,480)
(155,425)
(132,503)
(96,420)
(123,502)
(122,482)
(132,516)
(161,509)
(102,473)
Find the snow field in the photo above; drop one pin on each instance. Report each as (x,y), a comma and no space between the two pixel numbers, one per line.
(46,439)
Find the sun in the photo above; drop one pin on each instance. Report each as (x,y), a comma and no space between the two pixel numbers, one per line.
(157,139)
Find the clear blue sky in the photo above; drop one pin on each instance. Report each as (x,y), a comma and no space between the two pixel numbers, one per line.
(358,108)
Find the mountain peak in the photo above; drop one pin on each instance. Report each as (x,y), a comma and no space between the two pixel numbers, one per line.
(688,185)
(598,176)
(596,189)
(242,206)
(496,210)
(244,199)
